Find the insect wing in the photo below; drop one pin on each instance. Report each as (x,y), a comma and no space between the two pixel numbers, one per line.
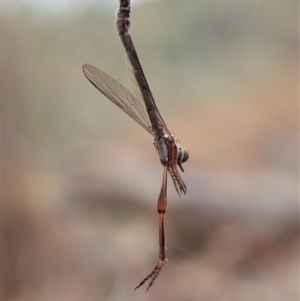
(119,95)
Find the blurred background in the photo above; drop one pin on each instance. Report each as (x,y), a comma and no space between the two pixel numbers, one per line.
(80,179)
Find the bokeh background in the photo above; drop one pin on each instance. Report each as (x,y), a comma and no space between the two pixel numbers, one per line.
(80,179)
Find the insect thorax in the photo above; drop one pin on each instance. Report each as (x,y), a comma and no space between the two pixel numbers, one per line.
(161,146)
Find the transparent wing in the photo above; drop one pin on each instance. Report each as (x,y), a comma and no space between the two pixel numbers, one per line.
(138,95)
(119,95)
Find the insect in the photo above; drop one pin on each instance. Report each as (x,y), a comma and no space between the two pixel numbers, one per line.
(142,108)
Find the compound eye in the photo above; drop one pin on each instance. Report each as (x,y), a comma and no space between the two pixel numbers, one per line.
(185,155)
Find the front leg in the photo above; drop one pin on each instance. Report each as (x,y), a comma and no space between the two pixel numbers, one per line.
(172,168)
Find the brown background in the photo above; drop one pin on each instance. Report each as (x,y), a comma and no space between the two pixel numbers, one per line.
(80,180)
